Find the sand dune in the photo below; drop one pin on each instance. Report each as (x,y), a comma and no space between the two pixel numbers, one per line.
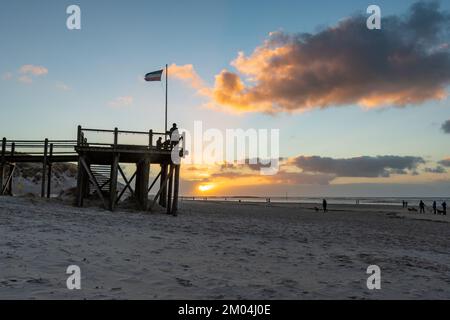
(216,250)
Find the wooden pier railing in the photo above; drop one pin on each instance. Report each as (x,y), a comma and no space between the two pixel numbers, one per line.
(114,137)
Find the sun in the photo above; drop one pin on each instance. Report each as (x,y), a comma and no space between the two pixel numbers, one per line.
(205,187)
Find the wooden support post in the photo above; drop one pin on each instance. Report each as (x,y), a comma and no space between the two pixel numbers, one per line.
(150,139)
(94,181)
(141,186)
(113,183)
(137,182)
(49,173)
(176,189)
(86,185)
(162,186)
(144,184)
(2,163)
(80,182)
(79,136)
(169,196)
(116,137)
(44,168)
(11,170)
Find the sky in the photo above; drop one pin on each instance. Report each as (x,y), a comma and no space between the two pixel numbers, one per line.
(359,113)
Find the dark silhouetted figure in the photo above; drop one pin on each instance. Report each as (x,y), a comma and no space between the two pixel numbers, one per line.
(324,205)
(422,206)
(406,204)
(174,135)
(159,143)
(166,145)
(444,208)
(403,204)
(434,207)
(174,127)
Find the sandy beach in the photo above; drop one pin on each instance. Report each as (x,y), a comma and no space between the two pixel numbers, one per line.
(221,250)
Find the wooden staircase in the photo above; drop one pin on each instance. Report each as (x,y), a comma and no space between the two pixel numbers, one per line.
(102,174)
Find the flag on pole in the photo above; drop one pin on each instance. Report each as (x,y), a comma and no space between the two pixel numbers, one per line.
(154,76)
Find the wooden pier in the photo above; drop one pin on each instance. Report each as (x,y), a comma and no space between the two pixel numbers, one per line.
(99,166)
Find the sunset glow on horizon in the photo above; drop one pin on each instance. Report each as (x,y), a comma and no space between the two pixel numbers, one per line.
(205,187)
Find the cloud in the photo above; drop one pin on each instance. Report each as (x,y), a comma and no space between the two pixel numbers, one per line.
(282,177)
(121,102)
(33,70)
(62,86)
(25,79)
(365,166)
(445,162)
(188,74)
(7,76)
(406,62)
(446,126)
(438,169)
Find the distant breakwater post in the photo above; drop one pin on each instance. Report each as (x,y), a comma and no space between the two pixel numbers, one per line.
(99,166)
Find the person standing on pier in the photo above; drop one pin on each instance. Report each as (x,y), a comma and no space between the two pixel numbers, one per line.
(324,205)
(174,135)
(159,143)
(422,206)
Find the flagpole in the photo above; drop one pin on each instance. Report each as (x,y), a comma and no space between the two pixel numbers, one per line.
(167,76)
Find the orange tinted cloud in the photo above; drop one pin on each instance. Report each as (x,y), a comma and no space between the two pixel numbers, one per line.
(34,70)
(406,62)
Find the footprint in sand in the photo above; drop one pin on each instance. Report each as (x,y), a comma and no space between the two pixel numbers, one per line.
(184,282)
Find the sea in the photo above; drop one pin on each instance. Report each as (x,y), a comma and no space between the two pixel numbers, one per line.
(392,201)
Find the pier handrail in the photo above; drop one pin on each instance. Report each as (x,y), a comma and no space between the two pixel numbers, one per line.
(38,147)
(81,140)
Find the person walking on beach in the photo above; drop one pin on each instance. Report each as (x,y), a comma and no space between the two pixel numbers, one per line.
(324,205)
(403,203)
(444,208)
(422,206)
(434,207)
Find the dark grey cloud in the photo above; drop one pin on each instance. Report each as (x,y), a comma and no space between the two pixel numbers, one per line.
(445,162)
(406,62)
(254,164)
(380,166)
(282,177)
(438,169)
(446,126)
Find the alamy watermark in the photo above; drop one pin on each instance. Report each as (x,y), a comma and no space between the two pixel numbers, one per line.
(73,282)
(374,280)
(73,21)
(374,20)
